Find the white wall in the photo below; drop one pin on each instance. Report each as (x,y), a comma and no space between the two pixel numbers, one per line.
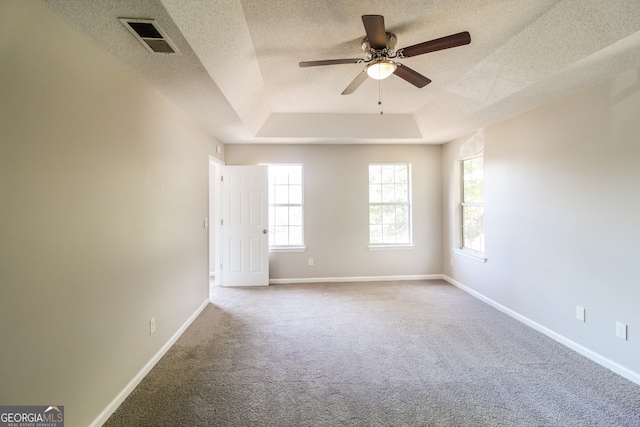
(103,189)
(561,218)
(336,209)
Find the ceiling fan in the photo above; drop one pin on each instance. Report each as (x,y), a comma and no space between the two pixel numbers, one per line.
(379,46)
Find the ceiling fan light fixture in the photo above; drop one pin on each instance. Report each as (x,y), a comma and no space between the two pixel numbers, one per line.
(381,69)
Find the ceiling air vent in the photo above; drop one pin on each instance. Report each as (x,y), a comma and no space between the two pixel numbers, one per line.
(149,33)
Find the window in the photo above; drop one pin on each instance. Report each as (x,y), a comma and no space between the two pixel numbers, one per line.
(472,204)
(285,206)
(390,204)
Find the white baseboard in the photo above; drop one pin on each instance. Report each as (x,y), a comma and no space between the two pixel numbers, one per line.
(110,409)
(355,279)
(596,357)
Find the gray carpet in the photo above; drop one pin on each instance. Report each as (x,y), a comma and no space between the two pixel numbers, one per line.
(420,353)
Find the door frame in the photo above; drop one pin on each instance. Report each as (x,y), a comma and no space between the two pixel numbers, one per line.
(215,229)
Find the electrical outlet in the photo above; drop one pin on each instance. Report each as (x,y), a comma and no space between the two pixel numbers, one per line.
(451,261)
(310,262)
(152,325)
(580,313)
(621,330)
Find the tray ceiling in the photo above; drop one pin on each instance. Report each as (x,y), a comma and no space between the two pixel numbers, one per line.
(237,71)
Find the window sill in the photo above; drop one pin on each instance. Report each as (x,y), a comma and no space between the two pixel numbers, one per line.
(391,248)
(477,256)
(287,249)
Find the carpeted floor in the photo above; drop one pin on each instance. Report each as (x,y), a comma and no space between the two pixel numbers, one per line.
(420,353)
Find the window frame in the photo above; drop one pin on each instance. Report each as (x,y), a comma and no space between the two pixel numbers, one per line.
(409,203)
(271,197)
(468,250)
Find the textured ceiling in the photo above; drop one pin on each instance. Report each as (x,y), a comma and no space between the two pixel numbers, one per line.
(237,71)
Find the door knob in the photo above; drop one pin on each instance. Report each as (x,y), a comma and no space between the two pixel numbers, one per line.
(264,231)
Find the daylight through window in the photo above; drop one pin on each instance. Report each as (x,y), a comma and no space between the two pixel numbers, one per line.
(390,204)
(472,204)
(285,206)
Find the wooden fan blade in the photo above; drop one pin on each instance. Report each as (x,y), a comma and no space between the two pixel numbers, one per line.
(413,77)
(374,26)
(447,42)
(330,62)
(355,84)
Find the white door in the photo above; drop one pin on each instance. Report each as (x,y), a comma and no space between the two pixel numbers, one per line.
(245,223)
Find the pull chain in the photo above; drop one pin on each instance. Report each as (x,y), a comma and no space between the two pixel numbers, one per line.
(379,101)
